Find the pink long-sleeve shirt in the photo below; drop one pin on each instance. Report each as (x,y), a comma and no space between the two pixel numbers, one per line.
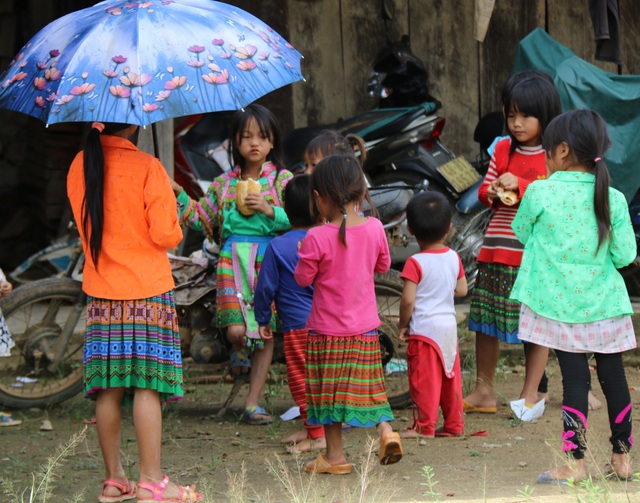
(344,297)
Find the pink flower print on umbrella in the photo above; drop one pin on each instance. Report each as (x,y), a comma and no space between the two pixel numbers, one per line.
(196,63)
(217,41)
(214,78)
(110,74)
(163,95)
(40,101)
(64,99)
(82,89)
(41,65)
(52,74)
(135,80)
(246,52)
(196,48)
(39,83)
(175,83)
(246,65)
(149,107)
(54,53)
(120,91)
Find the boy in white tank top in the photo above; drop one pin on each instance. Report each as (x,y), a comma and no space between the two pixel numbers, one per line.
(432,278)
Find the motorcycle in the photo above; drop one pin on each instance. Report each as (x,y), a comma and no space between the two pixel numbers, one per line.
(47,319)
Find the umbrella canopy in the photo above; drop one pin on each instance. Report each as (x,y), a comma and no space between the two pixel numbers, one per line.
(139,62)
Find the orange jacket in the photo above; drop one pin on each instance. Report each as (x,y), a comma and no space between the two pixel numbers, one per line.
(140,224)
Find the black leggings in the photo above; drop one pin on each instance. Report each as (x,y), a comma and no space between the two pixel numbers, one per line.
(576,381)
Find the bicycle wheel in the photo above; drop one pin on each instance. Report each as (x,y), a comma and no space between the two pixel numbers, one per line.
(37,315)
(394,351)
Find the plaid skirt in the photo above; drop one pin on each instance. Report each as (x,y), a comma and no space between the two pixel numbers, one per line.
(611,335)
(491,311)
(133,344)
(345,380)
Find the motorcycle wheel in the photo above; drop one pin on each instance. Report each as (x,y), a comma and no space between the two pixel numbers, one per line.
(394,351)
(36,315)
(468,240)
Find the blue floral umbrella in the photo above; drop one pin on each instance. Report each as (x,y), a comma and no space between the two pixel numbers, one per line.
(139,62)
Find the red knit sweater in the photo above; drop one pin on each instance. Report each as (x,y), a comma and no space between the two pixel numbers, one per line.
(528,164)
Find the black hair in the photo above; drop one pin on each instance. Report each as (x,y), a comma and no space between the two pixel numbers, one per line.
(585,133)
(339,179)
(269,127)
(330,142)
(532,93)
(429,216)
(296,202)
(92,203)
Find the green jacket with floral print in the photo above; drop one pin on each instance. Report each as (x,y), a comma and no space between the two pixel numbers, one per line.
(564,276)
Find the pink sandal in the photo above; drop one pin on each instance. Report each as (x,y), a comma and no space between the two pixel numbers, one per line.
(184,493)
(127,490)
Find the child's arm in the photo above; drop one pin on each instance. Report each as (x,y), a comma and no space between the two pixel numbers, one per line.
(623,241)
(461,288)
(164,228)
(268,282)
(411,274)
(5,286)
(526,216)
(201,215)
(487,191)
(407,304)
(307,267)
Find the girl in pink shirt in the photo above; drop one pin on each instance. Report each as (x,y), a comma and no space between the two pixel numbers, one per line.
(345,378)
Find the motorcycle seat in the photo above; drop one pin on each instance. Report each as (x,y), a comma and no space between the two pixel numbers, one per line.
(390,200)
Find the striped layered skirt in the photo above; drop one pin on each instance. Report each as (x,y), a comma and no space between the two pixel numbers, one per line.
(345,380)
(133,344)
(491,311)
(237,278)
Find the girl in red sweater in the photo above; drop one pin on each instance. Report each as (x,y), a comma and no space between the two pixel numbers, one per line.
(530,102)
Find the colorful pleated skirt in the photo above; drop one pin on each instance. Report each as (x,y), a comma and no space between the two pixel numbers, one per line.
(345,380)
(491,311)
(237,278)
(133,344)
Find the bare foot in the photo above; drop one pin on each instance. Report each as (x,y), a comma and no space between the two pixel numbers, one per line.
(384,428)
(308,444)
(543,396)
(594,403)
(621,466)
(411,433)
(295,437)
(479,399)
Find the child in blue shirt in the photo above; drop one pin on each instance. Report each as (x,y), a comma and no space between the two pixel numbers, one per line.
(293,303)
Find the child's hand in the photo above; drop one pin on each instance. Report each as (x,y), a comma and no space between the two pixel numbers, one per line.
(5,288)
(508,181)
(176,188)
(266,333)
(257,202)
(404,334)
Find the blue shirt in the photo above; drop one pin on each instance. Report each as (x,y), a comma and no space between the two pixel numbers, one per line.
(276,282)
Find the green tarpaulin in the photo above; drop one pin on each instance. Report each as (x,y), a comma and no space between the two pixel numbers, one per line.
(583,85)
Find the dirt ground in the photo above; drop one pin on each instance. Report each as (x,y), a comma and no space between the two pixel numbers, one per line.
(235,462)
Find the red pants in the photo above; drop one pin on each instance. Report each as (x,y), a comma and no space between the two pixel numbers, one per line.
(430,388)
(295,347)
